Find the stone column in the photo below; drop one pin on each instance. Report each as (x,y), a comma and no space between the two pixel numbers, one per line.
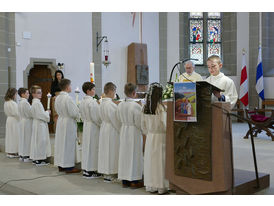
(97,55)
(163,47)
(7,61)
(253,57)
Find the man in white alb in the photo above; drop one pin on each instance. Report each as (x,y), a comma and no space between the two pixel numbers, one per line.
(190,74)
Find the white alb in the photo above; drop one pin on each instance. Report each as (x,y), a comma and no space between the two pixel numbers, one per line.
(131,141)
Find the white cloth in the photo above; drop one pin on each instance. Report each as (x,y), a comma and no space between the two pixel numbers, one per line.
(223,82)
(89,110)
(154,126)
(24,109)
(131,141)
(40,147)
(193,77)
(12,126)
(109,138)
(66,130)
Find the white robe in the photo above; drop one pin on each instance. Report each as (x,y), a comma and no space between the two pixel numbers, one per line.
(40,147)
(193,77)
(223,82)
(154,126)
(131,141)
(109,138)
(66,131)
(89,110)
(24,109)
(12,127)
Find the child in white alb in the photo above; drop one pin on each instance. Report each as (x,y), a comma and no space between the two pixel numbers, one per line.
(24,109)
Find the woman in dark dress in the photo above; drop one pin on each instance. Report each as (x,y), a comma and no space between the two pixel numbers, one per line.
(55,84)
(55,90)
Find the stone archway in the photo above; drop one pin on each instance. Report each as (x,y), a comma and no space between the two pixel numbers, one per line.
(51,63)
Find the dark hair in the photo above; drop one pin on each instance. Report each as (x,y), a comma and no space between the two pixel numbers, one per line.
(87,86)
(21,91)
(55,76)
(129,89)
(109,87)
(64,83)
(10,94)
(34,88)
(55,84)
(155,97)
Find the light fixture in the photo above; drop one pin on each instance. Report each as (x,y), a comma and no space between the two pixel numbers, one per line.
(60,66)
(99,40)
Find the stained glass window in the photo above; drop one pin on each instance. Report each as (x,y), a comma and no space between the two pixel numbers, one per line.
(196,30)
(214,31)
(196,52)
(204,35)
(214,34)
(196,15)
(214,49)
(196,37)
(214,15)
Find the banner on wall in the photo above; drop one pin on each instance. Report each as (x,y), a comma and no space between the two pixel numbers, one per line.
(185,102)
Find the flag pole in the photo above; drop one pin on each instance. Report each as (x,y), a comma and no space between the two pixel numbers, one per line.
(260,47)
(141,27)
(244,53)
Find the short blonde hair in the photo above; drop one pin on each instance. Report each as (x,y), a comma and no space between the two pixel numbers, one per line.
(109,87)
(215,58)
(34,88)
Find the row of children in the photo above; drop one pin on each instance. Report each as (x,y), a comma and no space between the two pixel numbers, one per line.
(113,133)
(26,126)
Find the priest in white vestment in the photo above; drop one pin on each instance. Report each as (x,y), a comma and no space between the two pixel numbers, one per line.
(221,81)
(109,135)
(89,110)
(66,129)
(24,109)
(130,169)
(190,75)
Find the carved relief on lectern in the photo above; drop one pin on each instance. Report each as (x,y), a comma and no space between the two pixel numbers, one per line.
(192,141)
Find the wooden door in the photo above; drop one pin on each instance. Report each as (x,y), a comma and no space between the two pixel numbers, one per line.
(41,75)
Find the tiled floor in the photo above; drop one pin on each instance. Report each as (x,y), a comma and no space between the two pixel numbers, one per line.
(12,169)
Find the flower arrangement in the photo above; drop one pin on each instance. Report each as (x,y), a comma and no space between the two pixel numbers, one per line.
(168,92)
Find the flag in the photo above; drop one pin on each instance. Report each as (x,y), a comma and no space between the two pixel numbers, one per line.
(244,83)
(259,76)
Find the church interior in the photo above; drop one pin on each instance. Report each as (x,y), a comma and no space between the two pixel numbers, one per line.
(143,48)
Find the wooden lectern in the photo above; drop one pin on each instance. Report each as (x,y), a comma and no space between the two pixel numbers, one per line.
(199,156)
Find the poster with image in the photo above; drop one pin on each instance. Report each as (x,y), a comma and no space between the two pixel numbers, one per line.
(185,102)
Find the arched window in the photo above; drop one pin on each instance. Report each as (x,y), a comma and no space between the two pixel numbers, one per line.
(205,37)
